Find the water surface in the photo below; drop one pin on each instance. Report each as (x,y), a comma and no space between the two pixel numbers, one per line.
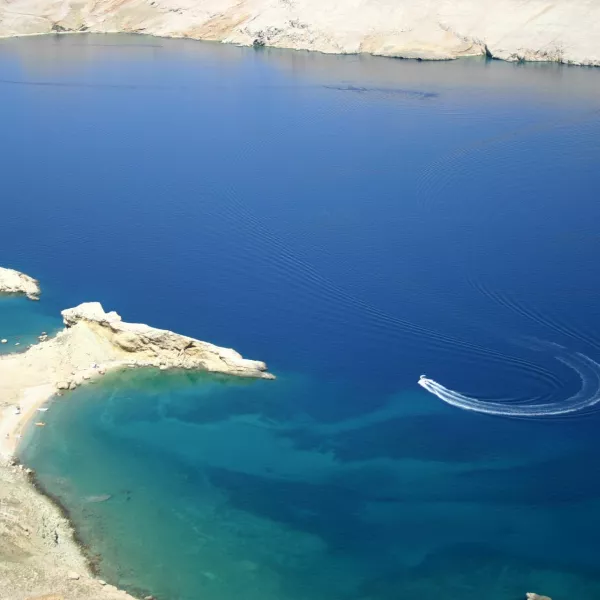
(355,222)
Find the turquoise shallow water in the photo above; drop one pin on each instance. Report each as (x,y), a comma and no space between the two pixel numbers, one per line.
(221,488)
(22,321)
(355,222)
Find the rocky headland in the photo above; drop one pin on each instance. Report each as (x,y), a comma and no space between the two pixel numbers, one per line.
(92,343)
(39,559)
(559,31)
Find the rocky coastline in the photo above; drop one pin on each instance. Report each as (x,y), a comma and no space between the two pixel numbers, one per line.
(564,31)
(40,558)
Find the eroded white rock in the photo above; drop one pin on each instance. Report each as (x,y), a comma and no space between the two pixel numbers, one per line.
(562,30)
(13,282)
(140,345)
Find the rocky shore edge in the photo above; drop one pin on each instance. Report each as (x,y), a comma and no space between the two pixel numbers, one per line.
(563,31)
(41,557)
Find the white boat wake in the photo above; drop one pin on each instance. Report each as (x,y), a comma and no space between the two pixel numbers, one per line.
(588,395)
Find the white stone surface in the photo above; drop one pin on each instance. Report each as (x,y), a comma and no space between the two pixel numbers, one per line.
(13,282)
(561,30)
(106,338)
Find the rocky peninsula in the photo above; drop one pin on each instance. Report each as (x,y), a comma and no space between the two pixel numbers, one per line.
(92,343)
(562,31)
(39,559)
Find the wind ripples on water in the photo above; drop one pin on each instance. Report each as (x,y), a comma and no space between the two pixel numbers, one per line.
(312,284)
(454,165)
(547,321)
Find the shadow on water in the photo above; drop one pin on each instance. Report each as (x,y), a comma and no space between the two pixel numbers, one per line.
(421,95)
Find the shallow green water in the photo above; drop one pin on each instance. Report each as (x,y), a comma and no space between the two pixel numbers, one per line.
(22,321)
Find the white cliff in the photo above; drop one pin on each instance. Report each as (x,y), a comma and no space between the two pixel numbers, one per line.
(539,30)
(13,282)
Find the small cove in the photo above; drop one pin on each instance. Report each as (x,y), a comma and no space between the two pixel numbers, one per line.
(354,222)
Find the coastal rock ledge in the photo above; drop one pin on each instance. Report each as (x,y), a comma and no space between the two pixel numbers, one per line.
(111,339)
(93,343)
(13,282)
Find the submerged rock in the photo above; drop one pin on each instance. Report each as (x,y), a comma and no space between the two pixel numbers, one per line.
(99,498)
(13,282)
(532,596)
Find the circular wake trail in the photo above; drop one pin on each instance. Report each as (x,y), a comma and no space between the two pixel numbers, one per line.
(588,395)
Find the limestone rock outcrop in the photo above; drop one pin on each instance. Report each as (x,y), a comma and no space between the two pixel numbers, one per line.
(147,346)
(560,31)
(13,282)
(92,344)
(532,596)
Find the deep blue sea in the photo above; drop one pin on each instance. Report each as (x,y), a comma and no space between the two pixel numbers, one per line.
(355,222)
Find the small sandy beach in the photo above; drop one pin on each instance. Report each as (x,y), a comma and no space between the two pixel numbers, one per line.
(13,421)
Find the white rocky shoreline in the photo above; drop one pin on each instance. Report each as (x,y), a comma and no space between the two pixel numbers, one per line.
(563,31)
(39,556)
